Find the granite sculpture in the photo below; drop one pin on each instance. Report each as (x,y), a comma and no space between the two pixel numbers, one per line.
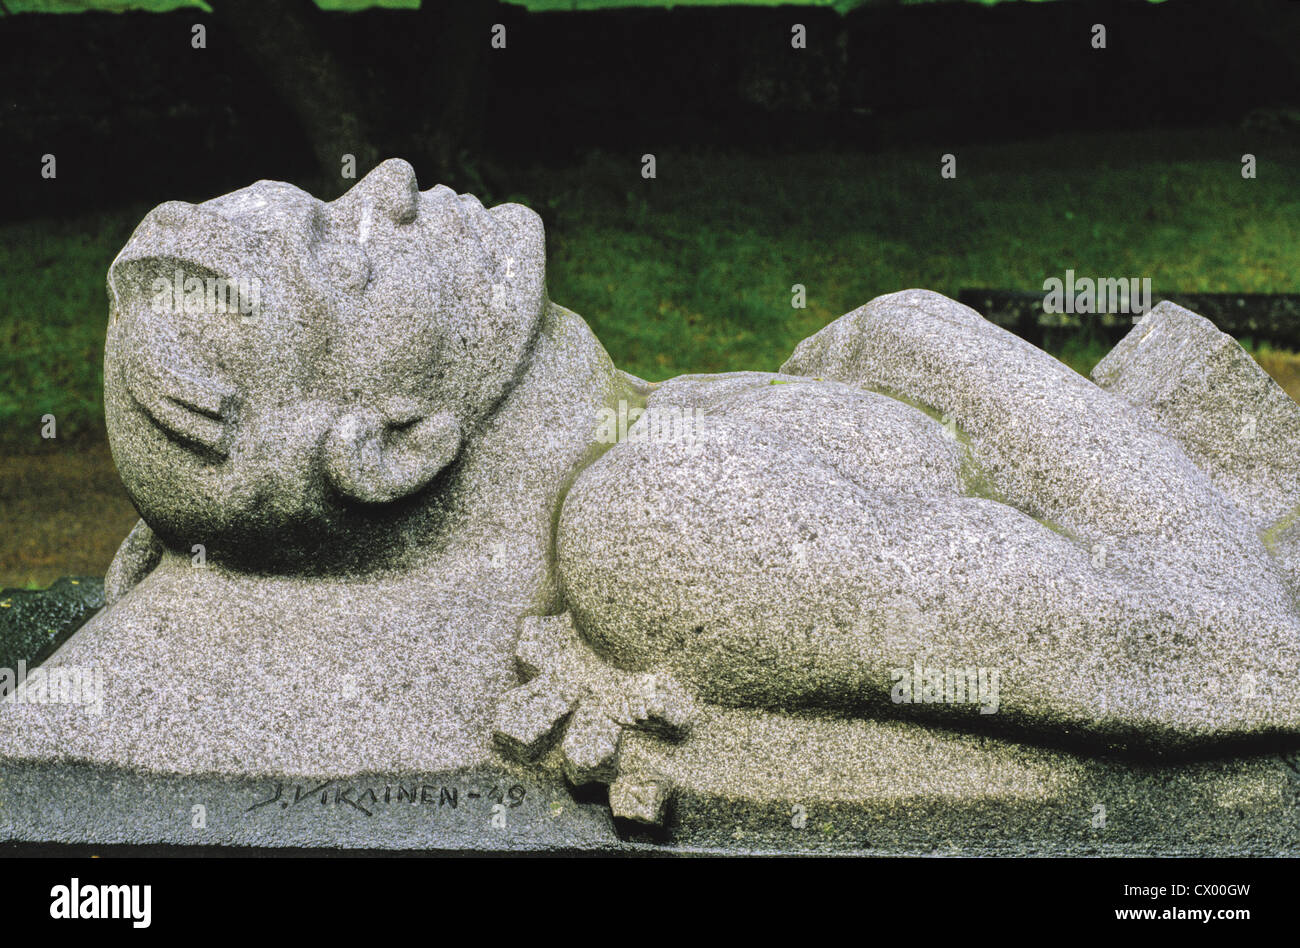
(401,515)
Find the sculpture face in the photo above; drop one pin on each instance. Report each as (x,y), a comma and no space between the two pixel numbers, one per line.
(280,370)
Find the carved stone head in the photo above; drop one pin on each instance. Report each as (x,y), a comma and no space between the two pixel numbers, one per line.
(280,370)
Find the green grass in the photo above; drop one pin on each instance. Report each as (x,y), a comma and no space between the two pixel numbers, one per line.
(52,320)
(692,271)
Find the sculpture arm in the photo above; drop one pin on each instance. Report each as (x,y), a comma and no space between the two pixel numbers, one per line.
(135,559)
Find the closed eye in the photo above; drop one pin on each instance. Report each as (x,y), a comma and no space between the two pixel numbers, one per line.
(404,422)
(189,409)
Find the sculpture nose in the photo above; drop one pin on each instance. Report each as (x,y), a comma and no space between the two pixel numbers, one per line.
(390,189)
(373,458)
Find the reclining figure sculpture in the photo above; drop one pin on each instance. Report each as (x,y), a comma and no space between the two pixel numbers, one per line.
(381,529)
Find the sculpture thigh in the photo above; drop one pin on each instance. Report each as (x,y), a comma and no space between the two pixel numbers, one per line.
(825,603)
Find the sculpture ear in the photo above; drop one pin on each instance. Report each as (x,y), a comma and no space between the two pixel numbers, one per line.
(163,286)
(173,236)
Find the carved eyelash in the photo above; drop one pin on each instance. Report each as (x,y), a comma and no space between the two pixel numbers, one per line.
(192,409)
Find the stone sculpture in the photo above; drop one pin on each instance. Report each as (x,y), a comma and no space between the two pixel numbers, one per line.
(385,531)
